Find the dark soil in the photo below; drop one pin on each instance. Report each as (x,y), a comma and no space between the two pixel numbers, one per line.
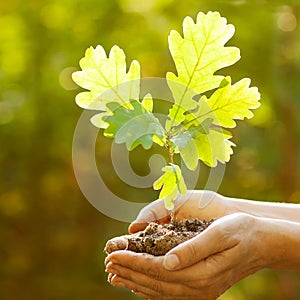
(158,239)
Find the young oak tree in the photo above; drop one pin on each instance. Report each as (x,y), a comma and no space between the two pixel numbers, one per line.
(197,124)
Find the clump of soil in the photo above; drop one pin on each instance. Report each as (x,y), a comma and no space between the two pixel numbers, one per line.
(158,239)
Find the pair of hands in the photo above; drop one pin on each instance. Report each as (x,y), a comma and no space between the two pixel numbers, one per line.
(201,268)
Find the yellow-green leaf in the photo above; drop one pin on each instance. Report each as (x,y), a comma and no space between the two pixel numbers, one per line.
(106,78)
(147,102)
(233,102)
(198,55)
(171,184)
(214,146)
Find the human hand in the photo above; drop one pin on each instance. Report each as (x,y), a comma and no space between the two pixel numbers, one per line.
(204,205)
(201,268)
(196,204)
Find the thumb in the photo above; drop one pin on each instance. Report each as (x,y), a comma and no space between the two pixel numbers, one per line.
(154,211)
(205,244)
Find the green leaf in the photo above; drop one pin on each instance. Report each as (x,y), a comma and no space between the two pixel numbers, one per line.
(206,142)
(106,78)
(198,55)
(187,148)
(171,183)
(185,141)
(133,126)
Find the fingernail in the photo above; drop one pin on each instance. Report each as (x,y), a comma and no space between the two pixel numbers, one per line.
(108,266)
(171,261)
(109,277)
(112,271)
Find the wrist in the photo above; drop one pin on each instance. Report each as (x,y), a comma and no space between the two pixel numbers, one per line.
(275,210)
(281,244)
(251,207)
(233,205)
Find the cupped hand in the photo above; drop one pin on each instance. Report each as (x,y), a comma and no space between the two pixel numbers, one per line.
(195,204)
(201,268)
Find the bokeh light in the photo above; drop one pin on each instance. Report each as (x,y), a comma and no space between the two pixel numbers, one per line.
(287,21)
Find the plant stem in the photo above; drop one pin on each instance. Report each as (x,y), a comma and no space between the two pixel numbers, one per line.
(171,158)
(172,216)
(171,153)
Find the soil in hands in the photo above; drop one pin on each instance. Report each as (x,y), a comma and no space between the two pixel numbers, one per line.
(158,239)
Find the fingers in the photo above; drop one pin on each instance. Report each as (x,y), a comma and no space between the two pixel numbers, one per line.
(142,291)
(115,244)
(195,204)
(144,283)
(146,275)
(151,288)
(152,266)
(155,211)
(209,242)
(140,262)
(136,227)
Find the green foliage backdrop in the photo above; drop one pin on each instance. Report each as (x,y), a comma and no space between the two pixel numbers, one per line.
(51,237)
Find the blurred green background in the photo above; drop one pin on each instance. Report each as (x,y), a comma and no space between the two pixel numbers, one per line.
(51,237)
